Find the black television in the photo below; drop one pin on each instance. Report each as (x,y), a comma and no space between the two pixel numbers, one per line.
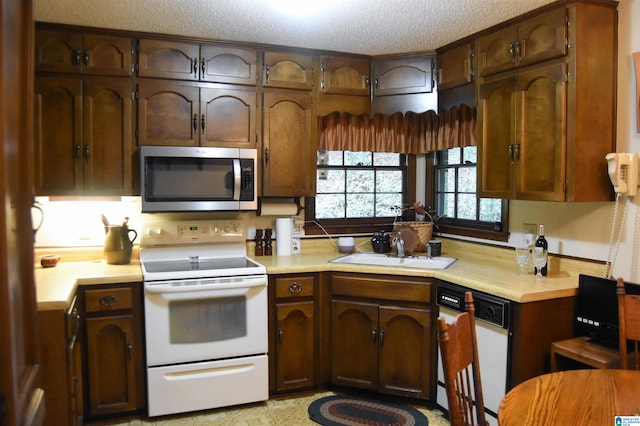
(596,309)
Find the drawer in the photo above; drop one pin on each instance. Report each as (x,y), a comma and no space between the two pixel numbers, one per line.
(295,286)
(387,287)
(108,299)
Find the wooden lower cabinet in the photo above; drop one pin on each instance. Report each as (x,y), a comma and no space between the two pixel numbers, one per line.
(292,332)
(114,349)
(382,334)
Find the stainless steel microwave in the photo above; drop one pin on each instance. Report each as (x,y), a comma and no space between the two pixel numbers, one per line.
(183,179)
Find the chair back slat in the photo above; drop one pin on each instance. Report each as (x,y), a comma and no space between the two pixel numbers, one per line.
(629,326)
(459,350)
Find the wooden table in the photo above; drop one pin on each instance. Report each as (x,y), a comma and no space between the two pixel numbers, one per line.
(574,397)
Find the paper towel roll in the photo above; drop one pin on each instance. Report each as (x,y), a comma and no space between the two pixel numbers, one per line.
(278,209)
(284,234)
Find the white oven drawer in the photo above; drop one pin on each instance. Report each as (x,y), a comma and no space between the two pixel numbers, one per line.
(205,385)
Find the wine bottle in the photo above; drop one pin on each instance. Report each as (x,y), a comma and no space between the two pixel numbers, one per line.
(541,242)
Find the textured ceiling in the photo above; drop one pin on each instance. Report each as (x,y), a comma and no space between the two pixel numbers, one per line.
(370,27)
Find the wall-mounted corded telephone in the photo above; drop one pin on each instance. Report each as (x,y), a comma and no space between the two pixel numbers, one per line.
(623,172)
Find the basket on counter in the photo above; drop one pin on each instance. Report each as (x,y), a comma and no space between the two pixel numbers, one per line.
(423,229)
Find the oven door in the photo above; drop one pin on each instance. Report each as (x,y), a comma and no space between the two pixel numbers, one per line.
(205,319)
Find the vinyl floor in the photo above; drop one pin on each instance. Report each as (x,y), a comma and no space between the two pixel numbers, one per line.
(275,412)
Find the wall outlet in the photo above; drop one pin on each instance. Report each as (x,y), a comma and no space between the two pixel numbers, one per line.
(529,233)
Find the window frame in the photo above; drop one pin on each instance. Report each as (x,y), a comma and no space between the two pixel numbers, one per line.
(464,227)
(364,225)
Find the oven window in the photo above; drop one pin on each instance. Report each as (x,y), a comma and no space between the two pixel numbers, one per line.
(207,320)
(170,179)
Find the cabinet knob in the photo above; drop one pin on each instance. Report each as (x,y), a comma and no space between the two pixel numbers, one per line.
(280,335)
(381,336)
(374,334)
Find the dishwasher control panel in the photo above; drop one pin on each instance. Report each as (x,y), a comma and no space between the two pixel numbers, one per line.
(491,309)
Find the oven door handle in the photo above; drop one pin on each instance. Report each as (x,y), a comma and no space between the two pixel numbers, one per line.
(169,288)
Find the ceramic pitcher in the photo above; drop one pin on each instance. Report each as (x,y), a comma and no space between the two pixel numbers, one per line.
(118,244)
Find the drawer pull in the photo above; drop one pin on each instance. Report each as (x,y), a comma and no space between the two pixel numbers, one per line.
(295,288)
(108,301)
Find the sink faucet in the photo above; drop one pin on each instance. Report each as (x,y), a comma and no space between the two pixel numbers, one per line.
(399,244)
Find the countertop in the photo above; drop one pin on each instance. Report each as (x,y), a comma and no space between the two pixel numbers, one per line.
(481,267)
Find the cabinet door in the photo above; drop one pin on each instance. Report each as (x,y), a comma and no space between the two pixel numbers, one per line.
(354,344)
(405,352)
(541,117)
(229,65)
(58,136)
(289,149)
(496,51)
(168,114)
(112,373)
(107,55)
(401,76)
(543,37)
(58,51)
(228,117)
(344,75)
(288,70)
(108,137)
(295,349)
(169,59)
(455,67)
(496,147)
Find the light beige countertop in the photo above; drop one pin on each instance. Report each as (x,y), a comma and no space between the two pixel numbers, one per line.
(481,267)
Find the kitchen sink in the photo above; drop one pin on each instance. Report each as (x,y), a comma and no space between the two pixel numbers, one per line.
(379,259)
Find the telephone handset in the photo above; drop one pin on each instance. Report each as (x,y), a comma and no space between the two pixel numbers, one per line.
(623,172)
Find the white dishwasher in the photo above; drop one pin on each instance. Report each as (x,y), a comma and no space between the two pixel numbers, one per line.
(493,316)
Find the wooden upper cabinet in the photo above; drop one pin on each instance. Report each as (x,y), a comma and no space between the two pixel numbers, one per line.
(228,117)
(403,75)
(87,53)
(345,75)
(533,40)
(191,61)
(169,59)
(288,70)
(229,65)
(456,66)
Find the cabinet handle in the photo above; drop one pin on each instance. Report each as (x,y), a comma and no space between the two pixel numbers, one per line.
(195,123)
(87,151)
(108,301)
(266,73)
(202,120)
(195,67)
(76,150)
(129,349)
(86,58)
(76,57)
(511,153)
(202,67)
(517,153)
(366,81)
(374,334)
(280,335)
(512,52)
(376,82)
(295,288)
(518,48)
(266,156)
(381,337)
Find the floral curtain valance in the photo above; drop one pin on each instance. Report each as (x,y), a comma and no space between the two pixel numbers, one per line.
(409,133)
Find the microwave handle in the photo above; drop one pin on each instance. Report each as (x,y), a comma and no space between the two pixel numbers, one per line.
(237,178)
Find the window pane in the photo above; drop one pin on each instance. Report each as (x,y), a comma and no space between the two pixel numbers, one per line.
(467,179)
(386,159)
(467,206)
(360,181)
(360,205)
(330,181)
(447,181)
(330,206)
(389,181)
(490,209)
(451,156)
(470,155)
(334,158)
(357,158)
(447,208)
(385,204)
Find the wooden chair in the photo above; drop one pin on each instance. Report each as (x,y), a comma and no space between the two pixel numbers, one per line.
(459,350)
(629,325)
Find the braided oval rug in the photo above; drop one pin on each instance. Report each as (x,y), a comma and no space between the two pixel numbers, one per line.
(342,410)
